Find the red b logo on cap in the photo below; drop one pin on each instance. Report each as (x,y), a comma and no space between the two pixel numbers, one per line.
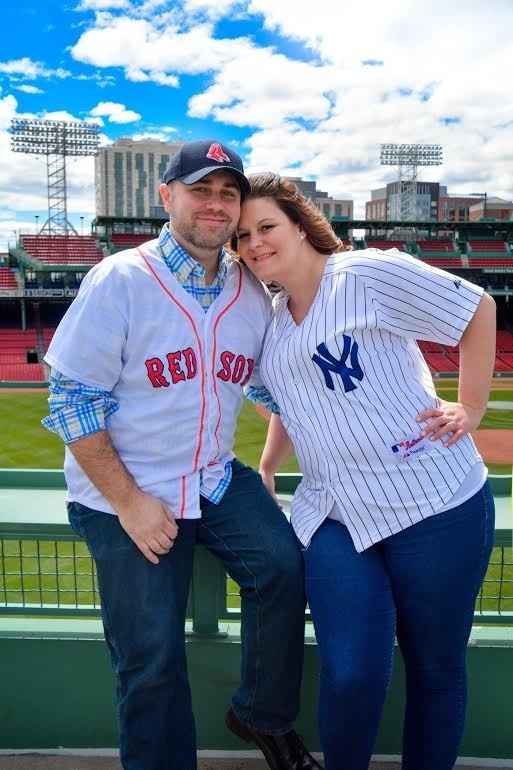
(216,152)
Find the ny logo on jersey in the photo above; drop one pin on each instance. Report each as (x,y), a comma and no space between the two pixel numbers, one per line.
(330,365)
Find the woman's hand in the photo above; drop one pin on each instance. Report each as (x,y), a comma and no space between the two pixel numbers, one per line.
(450,421)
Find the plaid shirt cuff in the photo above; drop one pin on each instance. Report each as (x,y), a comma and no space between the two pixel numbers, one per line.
(77,410)
(262,396)
(217,494)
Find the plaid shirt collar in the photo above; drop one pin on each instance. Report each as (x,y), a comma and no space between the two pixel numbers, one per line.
(182,265)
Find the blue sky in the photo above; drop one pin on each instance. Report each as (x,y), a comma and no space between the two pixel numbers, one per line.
(301,92)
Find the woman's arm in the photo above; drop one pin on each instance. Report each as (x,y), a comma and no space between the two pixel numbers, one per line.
(277,448)
(477,358)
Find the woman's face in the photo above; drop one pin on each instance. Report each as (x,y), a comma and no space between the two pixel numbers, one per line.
(268,240)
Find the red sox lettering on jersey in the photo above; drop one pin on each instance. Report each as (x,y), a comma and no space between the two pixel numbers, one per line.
(182,365)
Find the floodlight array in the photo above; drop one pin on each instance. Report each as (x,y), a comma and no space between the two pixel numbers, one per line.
(411,154)
(54,137)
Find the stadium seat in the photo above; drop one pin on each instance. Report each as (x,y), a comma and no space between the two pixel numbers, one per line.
(505,359)
(439,362)
(129,240)
(487,245)
(7,279)
(490,261)
(440,246)
(62,249)
(21,373)
(383,245)
(504,341)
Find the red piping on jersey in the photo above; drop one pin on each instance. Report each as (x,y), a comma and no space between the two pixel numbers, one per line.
(198,340)
(182,497)
(214,351)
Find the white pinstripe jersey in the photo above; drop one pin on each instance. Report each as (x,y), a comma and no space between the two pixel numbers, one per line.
(350,380)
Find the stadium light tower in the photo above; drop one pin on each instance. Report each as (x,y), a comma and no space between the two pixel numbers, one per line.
(57,139)
(408,158)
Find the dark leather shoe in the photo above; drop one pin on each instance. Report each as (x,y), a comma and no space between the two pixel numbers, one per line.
(282,752)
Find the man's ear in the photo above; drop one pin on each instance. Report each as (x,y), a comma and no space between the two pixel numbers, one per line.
(165,195)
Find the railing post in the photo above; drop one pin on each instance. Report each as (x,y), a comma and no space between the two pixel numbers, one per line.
(208,593)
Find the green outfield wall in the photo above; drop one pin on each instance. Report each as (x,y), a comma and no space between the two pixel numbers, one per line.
(56,687)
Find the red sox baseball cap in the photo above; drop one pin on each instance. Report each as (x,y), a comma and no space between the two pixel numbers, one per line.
(196,160)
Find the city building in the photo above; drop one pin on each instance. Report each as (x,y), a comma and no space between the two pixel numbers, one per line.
(330,207)
(491,207)
(455,208)
(127,176)
(385,202)
(376,208)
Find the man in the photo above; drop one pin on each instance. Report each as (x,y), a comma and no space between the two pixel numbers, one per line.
(148,366)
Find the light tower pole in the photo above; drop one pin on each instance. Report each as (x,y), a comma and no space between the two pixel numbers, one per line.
(57,139)
(408,158)
(483,197)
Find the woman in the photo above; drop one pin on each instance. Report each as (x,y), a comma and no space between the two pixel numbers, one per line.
(394,512)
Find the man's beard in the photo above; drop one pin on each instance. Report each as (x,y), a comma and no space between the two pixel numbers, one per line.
(193,234)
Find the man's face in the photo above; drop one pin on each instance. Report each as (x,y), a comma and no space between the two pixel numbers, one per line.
(205,213)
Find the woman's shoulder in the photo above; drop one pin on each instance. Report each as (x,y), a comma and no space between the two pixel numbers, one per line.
(359,260)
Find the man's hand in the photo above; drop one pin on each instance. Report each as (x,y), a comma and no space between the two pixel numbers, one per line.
(149,524)
(451,420)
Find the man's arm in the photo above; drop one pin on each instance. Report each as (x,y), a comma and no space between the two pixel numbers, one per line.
(144,518)
(78,414)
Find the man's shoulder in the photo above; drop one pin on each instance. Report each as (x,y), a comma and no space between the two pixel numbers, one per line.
(123,263)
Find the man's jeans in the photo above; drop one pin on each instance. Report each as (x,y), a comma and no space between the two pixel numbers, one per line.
(143,610)
(421,583)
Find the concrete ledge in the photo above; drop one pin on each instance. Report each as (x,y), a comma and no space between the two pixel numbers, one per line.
(207,760)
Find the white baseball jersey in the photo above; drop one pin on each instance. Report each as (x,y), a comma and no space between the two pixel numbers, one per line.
(350,380)
(176,371)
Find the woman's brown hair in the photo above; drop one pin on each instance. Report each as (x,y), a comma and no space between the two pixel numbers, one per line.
(298,209)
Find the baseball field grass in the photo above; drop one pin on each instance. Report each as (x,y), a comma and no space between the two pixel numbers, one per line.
(62,573)
(25,444)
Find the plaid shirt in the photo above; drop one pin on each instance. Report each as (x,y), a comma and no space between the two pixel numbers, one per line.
(78,410)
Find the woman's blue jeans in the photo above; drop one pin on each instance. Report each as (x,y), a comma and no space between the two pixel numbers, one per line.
(143,610)
(420,584)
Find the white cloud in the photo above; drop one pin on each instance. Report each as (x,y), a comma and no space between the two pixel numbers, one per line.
(139,76)
(115,112)
(101,5)
(145,50)
(161,136)
(11,226)
(214,9)
(29,89)
(30,70)
(284,90)
(162,133)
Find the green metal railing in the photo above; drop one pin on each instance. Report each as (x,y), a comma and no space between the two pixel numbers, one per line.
(46,570)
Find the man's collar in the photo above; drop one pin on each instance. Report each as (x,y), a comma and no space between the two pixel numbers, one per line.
(181,263)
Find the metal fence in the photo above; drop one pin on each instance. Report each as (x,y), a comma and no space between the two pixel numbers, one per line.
(49,572)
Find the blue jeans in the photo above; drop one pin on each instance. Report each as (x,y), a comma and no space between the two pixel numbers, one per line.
(143,610)
(420,584)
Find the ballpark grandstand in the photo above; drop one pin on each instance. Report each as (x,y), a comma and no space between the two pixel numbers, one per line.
(42,274)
